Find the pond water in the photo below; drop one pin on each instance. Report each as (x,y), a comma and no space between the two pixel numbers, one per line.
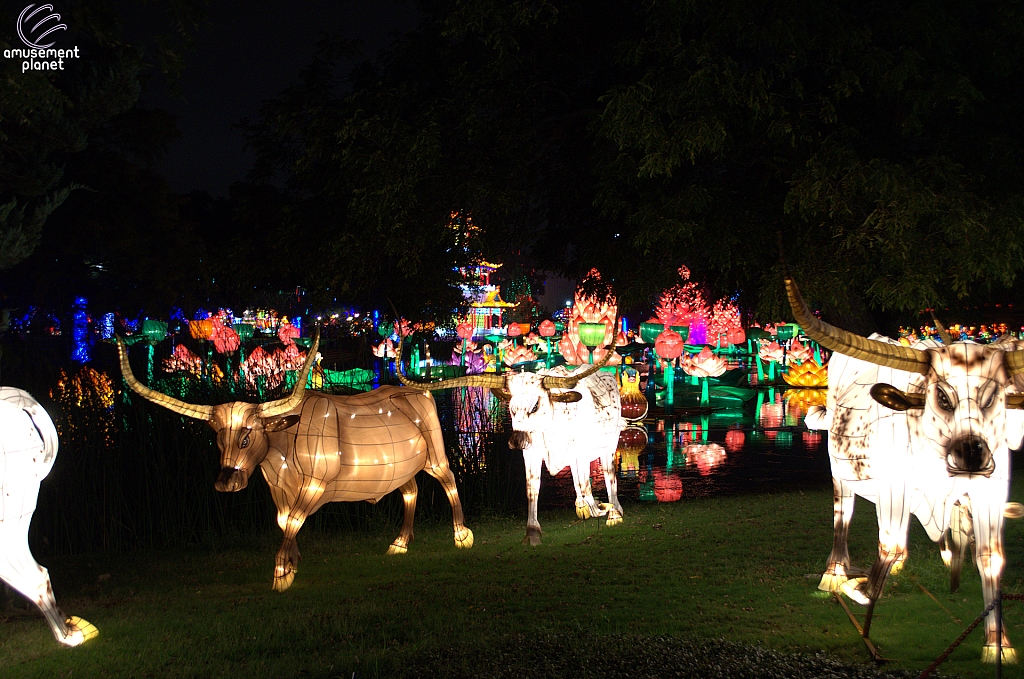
(760,446)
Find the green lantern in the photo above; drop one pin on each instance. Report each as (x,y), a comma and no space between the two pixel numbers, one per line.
(244,330)
(153,331)
(683,330)
(592,336)
(650,331)
(786,331)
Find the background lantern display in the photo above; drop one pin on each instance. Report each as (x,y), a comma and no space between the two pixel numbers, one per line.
(28,448)
(547,331)
(592,336)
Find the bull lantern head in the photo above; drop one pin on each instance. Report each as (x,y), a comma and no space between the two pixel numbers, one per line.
(962,401)
(530,396)
(242,428)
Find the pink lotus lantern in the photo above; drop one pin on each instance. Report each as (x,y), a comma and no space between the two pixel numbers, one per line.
(705,364)
(799,352)
(669,345)
(771,352)
(513,330)
(621,340)
(385,349)
(464,330)
(546,329)
(287,333)
(518,355)
(225,339)
(736,336)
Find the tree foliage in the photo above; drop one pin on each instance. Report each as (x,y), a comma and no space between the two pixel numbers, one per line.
(879,142)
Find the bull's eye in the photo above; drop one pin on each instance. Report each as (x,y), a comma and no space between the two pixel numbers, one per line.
(943,400)
(244,443)
(536,406)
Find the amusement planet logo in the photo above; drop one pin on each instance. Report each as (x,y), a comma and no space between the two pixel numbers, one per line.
(35,24)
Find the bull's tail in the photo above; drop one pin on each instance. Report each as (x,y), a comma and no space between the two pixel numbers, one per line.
(818,418)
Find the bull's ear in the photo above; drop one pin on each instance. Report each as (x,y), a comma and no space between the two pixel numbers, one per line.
(502,394)
(567,397)
(893,398)
(280,423)
(1015,400)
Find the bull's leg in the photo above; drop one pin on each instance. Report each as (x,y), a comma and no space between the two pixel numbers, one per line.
(961,532)
(437,467)
(533,468)
(988,531)
(286,562)
(19,570)
(611,483)
(839,560)
(409,493)
(893,511)
(586,505)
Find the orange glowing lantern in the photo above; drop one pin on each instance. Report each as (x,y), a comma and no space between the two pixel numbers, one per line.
(736,336)
(201,330)
(807,374)
(669,345)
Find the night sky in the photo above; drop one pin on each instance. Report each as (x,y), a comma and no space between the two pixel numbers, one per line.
(249,52)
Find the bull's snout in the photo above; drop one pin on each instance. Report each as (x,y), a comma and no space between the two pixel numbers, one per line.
(230,480)
(969,455)
(519,440)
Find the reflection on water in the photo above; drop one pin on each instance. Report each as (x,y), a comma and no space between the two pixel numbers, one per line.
(760,447)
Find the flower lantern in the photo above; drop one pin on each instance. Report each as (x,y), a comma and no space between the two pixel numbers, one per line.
(705,364)
(465,331)
(546,329)
(649,330)
(225,339)
(807,374)
(735,336)
(287,333)
(518,354)
(799,352)
(592,336)
(669,346)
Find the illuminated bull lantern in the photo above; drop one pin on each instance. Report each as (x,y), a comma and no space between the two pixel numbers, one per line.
(316,448)
(918,428)
(28,447)
(562,419)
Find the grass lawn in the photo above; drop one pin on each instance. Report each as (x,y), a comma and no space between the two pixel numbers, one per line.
(653,597)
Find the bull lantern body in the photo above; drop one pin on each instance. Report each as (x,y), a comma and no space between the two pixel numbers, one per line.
(924,430)
(316,448)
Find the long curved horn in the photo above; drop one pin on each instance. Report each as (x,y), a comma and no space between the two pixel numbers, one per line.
(488,381)
(570,381)
(943,333)
(283,405)
(835,339)
(173,404)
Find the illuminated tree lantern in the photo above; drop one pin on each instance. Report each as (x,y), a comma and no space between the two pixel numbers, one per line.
(634,403)
(587,309)
(28,448)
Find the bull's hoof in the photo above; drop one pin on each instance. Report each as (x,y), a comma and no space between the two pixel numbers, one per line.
(988,654)
(396,548)
(854,590)
(614,517)
(283,582)
(1013,510)
(947,557)
(464,538)
(79,631)
(897,565)
(582,510)
(832,582)
(533,535)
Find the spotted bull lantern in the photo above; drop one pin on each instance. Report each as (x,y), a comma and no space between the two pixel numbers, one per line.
(561,419)
(930,445)
(315,448)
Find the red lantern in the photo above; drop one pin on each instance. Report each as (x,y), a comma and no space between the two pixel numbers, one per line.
(669,345)
(736,336)
(547,329)
(513,330)
(464,330)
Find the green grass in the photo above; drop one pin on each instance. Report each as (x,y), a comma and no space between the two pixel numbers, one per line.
(652,597)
